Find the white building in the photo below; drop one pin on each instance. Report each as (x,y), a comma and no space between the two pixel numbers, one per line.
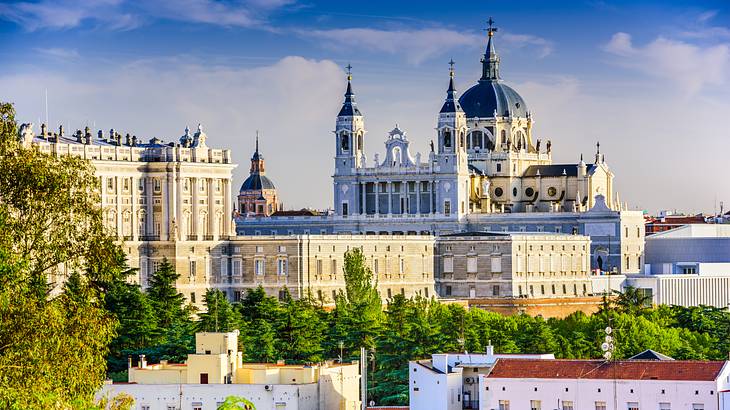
(215,372)
(450,380)
(601,385)
(687,266)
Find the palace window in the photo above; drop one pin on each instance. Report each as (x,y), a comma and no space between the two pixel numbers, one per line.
(447,208)
(535,404)
(449,264)
(447,139)
(471,264)
(282,267)
(567,405)
(600,405)
(259,266)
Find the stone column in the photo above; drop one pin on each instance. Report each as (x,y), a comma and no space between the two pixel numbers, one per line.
(363,196)
(212,227)
(227,208)
(135,217)
(418,197)
(389,188)
(149,230)
(165,201)
(118,205)
(178,204)
(194,185)
(377,198)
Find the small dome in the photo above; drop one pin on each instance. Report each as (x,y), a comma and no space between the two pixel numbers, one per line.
(488,96)
(257,182)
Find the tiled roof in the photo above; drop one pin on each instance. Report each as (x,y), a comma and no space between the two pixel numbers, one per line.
(681,370)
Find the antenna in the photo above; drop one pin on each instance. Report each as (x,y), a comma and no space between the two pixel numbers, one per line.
(47,124)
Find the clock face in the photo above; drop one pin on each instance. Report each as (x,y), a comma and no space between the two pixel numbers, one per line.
(552,191)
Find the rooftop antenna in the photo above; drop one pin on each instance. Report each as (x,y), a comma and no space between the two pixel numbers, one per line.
(47,124)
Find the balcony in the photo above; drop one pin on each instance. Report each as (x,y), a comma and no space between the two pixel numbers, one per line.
(471,404)
(192,237)
(149,238)
(207,237)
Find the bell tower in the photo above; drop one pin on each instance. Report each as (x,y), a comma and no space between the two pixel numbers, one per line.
(349,132)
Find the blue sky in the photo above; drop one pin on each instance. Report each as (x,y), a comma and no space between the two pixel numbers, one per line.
(648,79)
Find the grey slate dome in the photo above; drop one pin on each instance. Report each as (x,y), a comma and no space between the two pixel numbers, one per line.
(490,94)
(257,182)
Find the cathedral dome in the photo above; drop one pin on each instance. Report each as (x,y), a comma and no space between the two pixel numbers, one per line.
(490,96)
(257,182)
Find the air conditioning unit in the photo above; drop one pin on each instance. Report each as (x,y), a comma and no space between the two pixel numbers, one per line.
(469,380)
(268,387)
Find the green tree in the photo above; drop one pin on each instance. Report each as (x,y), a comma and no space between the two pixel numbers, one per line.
(219,315)
(358,311)
(52,343)
(300,330)
(167,302)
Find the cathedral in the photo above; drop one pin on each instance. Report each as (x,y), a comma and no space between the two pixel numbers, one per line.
(485,171)
(485,160)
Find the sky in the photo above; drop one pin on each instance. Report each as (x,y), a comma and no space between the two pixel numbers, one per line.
(650,80)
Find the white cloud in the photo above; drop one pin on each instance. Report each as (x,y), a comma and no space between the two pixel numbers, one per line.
(58,53)
(293,102)
(689,66)
(418,45)
(544,47)
(127,14)
(415,45)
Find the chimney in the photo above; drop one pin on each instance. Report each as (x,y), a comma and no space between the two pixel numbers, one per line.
(490,349)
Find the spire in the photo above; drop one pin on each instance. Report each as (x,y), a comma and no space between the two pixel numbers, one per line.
(256,155)
(490,61)
(349,107)
(451,104)
(257,160)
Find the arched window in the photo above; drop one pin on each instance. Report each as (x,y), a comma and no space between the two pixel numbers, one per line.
(447,139)
(397,157)
(344,142)
(359,142)
(476,139)
(504,137)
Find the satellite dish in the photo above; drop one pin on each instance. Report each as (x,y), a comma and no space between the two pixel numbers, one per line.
(608,330)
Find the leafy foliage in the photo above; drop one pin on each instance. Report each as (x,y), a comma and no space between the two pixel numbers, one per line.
(53,339)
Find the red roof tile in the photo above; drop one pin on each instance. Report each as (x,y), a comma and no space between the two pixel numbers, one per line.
(599,369)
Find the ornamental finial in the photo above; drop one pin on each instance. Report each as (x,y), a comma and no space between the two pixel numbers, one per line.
(349,72)
(491,29)
(451,68)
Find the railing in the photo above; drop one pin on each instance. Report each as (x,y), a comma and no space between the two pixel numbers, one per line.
(192,237)
(207,237)
(149,238)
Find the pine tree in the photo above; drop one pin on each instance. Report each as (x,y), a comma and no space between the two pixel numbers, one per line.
(167,302)
(219,315)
